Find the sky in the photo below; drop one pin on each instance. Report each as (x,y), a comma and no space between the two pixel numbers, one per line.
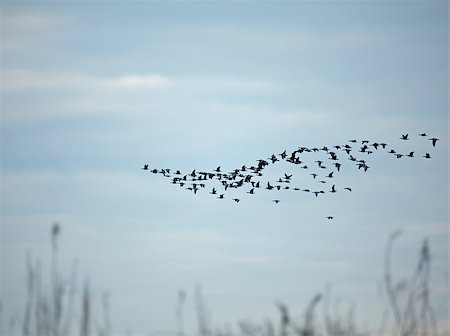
(92,91)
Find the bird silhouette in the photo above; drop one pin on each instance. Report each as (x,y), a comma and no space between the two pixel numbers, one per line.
(303,157)
(433,141)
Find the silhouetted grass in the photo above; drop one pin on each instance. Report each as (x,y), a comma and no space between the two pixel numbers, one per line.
(65,309)
(57,310)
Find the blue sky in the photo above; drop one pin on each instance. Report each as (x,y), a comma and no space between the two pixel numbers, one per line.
(92,91)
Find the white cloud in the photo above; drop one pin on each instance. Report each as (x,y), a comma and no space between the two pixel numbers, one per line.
(26,31)
(27,22)
(20,79)
(134,82)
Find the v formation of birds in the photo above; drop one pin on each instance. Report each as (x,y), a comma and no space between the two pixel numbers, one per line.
(321,172)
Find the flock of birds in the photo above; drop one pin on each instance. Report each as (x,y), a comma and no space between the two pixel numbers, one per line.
(321,172)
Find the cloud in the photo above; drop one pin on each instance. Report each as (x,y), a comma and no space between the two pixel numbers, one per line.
(66,94)
(21,79)
(26,31)
(27,22)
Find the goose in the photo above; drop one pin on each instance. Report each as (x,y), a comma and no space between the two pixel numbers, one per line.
(145,167)
(427,156)
(434,140)
(330,217)
(404,137)
(333,189)
(276,201)
(347,188)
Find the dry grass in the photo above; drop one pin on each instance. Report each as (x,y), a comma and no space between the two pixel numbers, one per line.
(66,309)
(57,310)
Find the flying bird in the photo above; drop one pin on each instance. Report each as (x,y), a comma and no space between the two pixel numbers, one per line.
(246,175)
(434,140)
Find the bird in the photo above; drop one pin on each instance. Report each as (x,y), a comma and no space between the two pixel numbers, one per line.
(269,187)
(246,175)
(434,140)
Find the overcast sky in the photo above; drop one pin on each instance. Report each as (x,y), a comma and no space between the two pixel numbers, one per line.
(91,91)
